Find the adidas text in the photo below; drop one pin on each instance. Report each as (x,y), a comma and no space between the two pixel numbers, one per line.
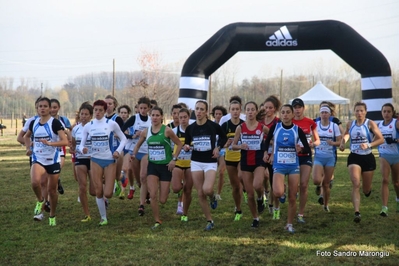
(282,43)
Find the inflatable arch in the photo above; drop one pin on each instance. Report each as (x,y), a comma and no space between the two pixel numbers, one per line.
(376,80)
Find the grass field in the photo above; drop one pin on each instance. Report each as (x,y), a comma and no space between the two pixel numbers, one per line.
(128,239)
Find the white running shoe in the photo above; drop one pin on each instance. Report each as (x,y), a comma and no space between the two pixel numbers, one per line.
(179,209)
(38,217)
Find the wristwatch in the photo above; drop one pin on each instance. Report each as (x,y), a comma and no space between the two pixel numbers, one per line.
(174,159)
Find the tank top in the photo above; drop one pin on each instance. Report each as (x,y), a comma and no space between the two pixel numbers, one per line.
(358,135)
(184,157)
(389,131)
(284,146)
(159,146)
(253,138)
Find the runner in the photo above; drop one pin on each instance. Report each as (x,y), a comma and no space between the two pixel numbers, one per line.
(161,160)
(47,135)
(202,134)
(285,159)
(389,155)
(233,157)
(136,124)
(308,126)
(251,133)
(217,112)
(325,154)
(103,159)
(271,106)
(82,161)
(363,134)
(182,181)
(124,112)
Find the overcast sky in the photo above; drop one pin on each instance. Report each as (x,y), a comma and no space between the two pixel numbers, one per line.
(53,41)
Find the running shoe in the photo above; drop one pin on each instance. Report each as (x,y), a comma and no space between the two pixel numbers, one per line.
(368,194)
(51,221)
(276,215)
(358,217)
(38,208)
(384,211)
(184,218)
(320,200)
(218,197)
(300,219)
(326,209)
(213,202)
(261,205)
(122,195)
(283,198)
(318,190)
(179,210)
(38,217)
(131,194)
(148,199)
(60,187)
(271,209)
(255,223)
(209,226)
(245,194)
(238,216)
(117,188)
(141,210)
(86,219)
(266,197)
(47,206)
(289,228)
(156,226)
(103,222)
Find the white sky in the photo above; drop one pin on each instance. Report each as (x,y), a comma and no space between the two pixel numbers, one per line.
(55,40)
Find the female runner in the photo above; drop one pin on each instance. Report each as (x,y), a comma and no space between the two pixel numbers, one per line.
(136,124)
(251,133)
(308,126)
(161,160)
(285,159)
(103,157)
(202,135)
(389,155)
(182,181)
(325,154)
(363,134)
(232,157)
(47,136)
(82,161)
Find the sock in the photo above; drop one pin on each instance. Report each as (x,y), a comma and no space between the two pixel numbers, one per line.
(357,213)
(277,209)
(101,208)
(257,219)
(300,215)
(211,221)
(132,187)
(397,199)
(239,212)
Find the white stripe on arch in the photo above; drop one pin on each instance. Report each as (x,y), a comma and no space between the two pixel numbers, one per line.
(372,83)
(194,83)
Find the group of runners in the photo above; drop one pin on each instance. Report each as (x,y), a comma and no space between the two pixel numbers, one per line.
(111,148)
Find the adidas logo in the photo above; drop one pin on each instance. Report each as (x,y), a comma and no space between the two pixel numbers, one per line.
(281,37)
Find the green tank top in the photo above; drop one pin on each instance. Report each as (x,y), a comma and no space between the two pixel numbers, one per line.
(159,146)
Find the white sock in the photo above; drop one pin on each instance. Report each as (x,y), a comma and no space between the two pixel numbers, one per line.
(101,208)
(397,199)
(132,187)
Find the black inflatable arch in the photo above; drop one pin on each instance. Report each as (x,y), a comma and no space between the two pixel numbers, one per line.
(376,80)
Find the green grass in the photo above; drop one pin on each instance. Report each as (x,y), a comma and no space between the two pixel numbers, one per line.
(128,239)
